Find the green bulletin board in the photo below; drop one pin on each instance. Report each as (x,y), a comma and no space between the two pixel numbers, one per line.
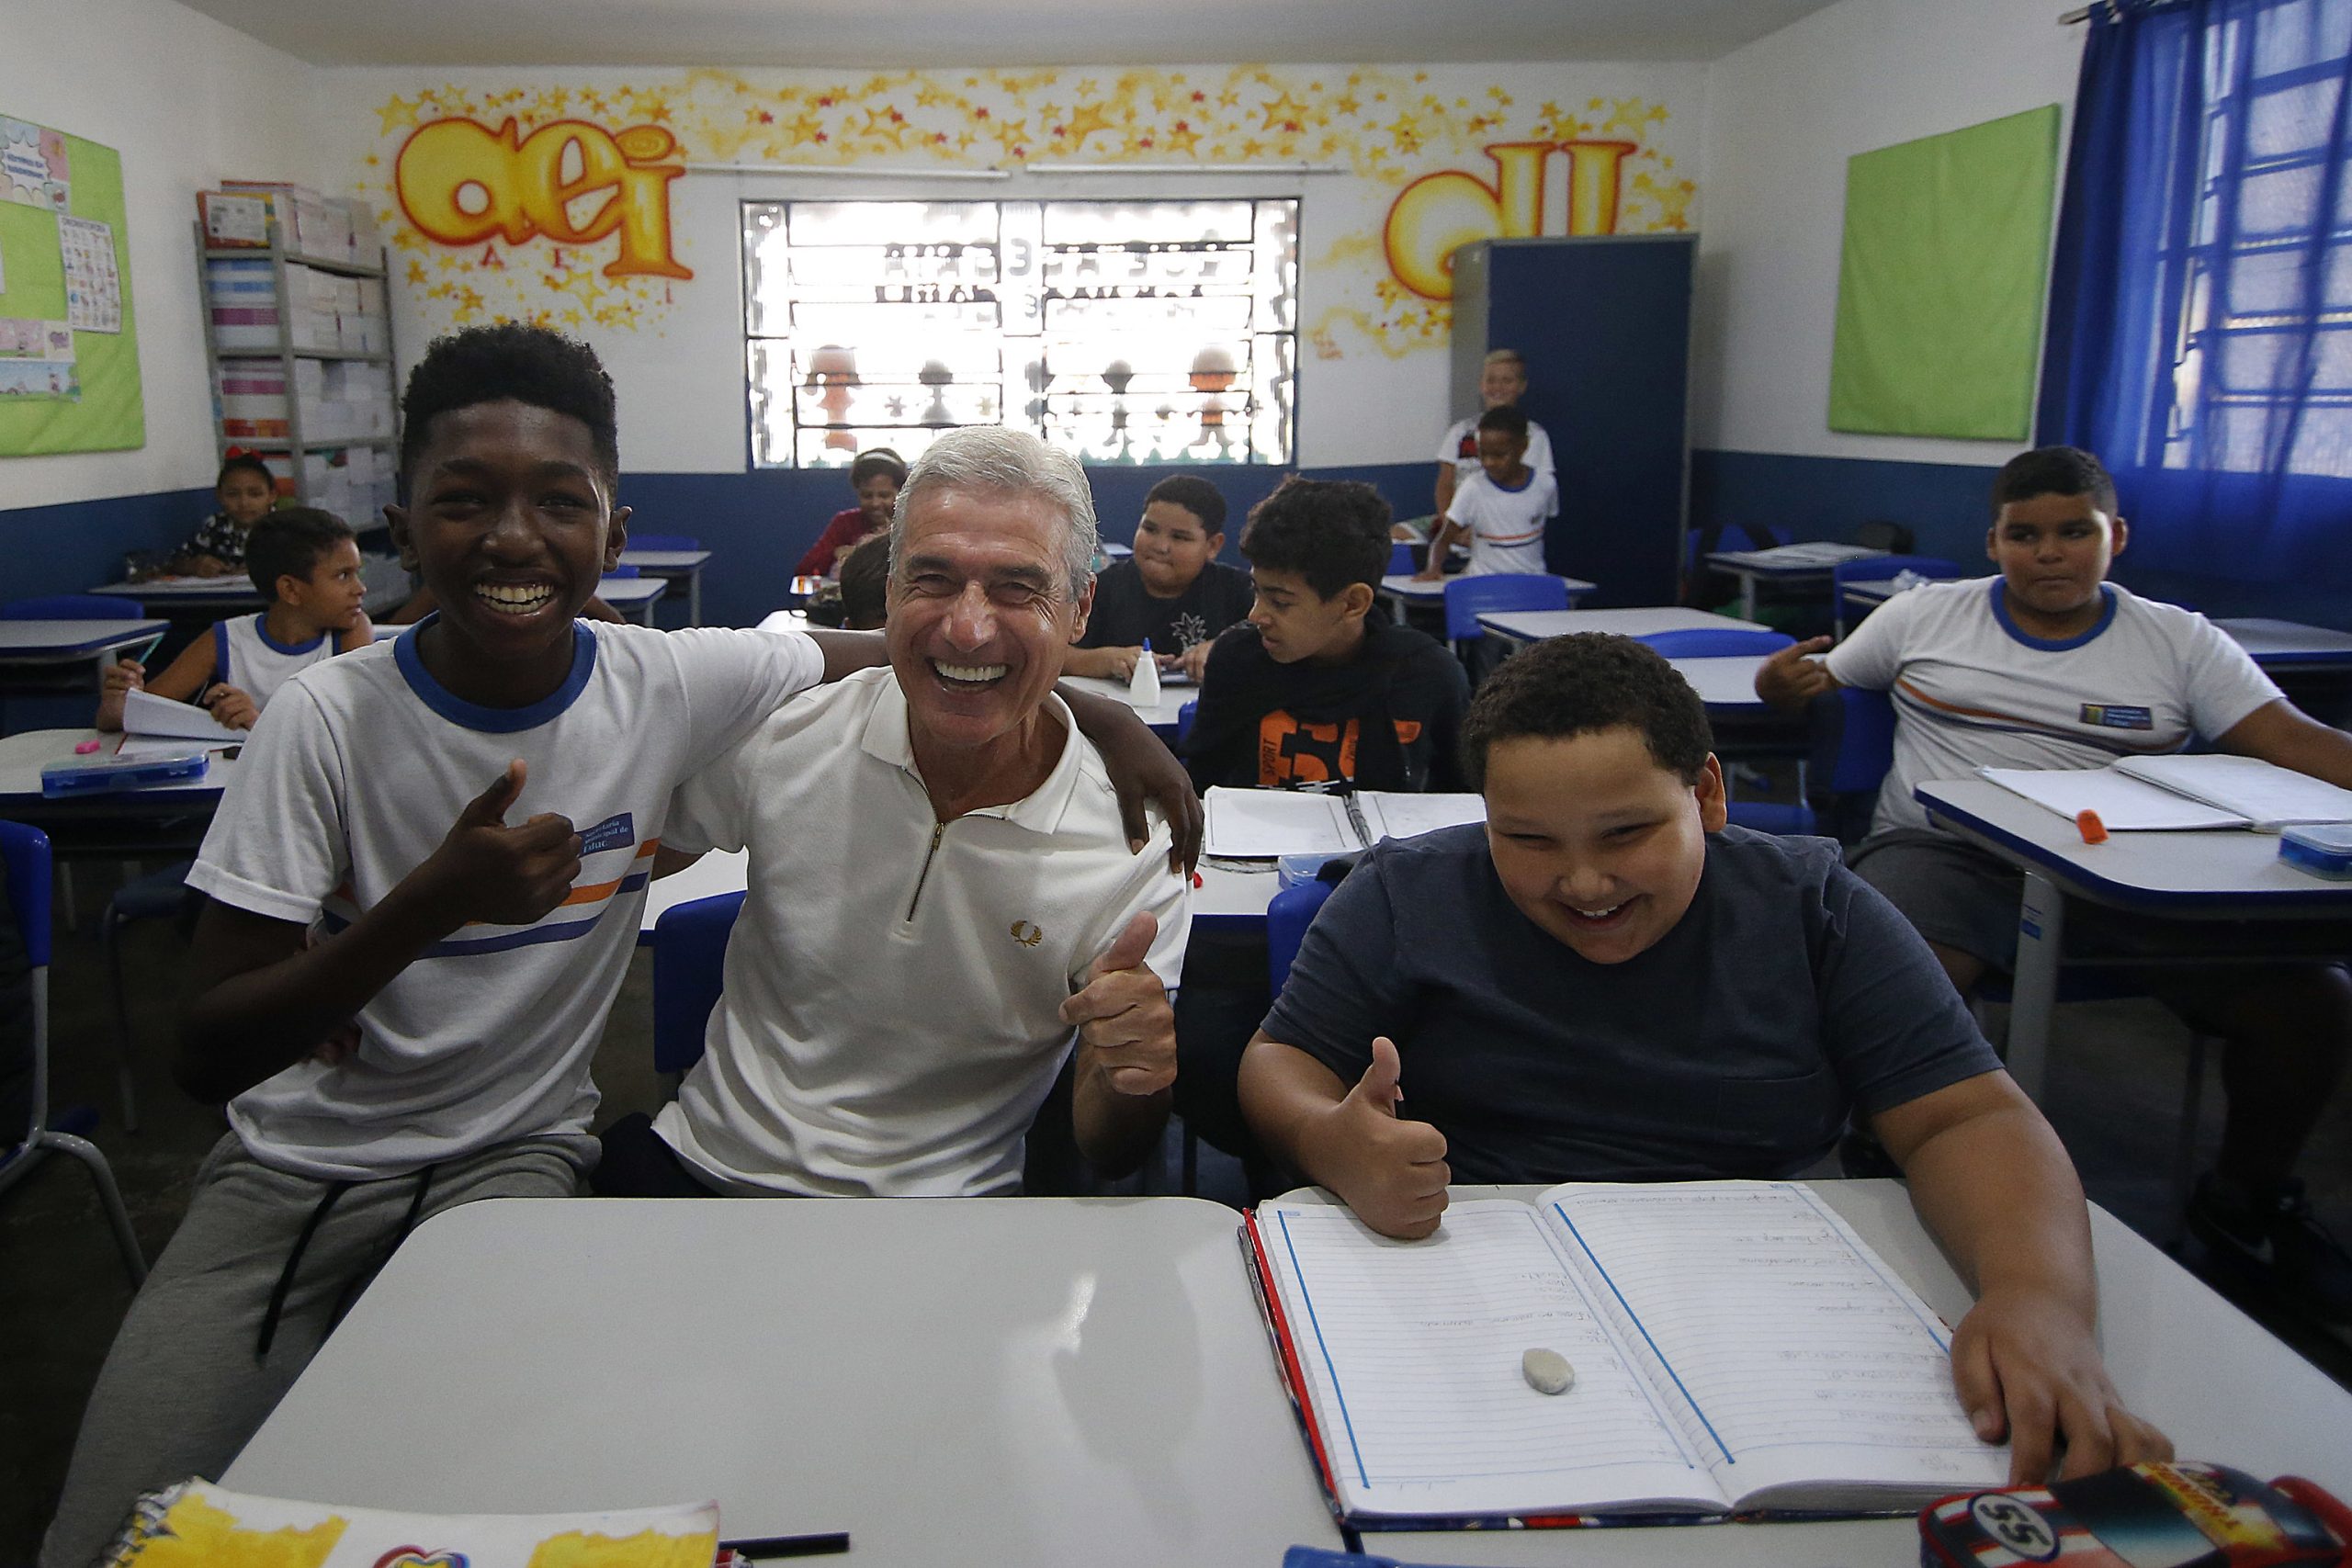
(1941,280)
(66,383)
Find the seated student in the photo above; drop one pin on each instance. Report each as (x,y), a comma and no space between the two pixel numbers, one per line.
(1501,509)
(1501,384)
(1173,592)
(1606,983)
(876,476)
(307,564)
(865,583)
(470,812)
(246,490)
(901,1042)
(1318,684)
(2049,665)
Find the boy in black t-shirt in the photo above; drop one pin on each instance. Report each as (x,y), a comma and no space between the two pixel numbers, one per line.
(1172,591)
(1319,686)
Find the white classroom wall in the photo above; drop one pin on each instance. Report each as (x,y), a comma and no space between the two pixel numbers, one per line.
(1783,115)
(187,101)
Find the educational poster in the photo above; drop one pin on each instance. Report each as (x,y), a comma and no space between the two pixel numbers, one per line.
(93,287)
(69,353)
(475,182)
(1940,282)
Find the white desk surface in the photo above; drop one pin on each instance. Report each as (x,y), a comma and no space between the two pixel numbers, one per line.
(24,755)
(2236,872)
(1419,590)
(1037,1381)
(227,587)
(665,561)
(722,871)
(1161,716)
(1725,683)
(1033,1381)
(59,642)
(2288,642)
(630,591)
(1790,560)
(1533,625)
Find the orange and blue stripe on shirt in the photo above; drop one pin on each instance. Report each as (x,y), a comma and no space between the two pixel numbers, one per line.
(573,918)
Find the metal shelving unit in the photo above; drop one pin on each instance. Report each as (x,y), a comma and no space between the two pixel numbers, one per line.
(287,355)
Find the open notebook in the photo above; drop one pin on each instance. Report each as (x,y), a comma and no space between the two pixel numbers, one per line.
(1251,824)
(154,725)
(2182,792)
(1738,1349)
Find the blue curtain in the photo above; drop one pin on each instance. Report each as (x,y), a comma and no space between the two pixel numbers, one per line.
(2201,321)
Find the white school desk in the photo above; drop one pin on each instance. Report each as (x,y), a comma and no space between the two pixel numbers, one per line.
(1725,683)
(1784,564)
(673,566)
(721,871)
(1001,1381)
(1402,589)
(632,594)
(1160,715)
(196,598)
(2233,874)
(46,644)
(153,819)
(1534,625)
(1041,1381)
(2290,644)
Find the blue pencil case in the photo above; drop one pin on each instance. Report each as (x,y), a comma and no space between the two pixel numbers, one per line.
(105,775)
(2322,849)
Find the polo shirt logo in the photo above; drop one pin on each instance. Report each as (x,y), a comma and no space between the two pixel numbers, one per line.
(2112,716)
(1026,935)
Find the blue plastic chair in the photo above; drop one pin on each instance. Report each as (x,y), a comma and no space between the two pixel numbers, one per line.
(1400,558)
(70,607)
(1184,716)
(1288,914)
(1715,642)
(664,542)
(1468,598)
(1880,569)
(689,961)
(26,851)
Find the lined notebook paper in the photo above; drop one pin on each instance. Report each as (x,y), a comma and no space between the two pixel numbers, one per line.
(1736,1347)
(2266,795)
(1256,823)
(2123,803)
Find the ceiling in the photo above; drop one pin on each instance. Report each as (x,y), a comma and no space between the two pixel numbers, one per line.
(882,33)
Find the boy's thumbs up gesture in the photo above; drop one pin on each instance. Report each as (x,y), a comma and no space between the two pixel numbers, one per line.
(488,872)
(1392,1172)
(1123,1016)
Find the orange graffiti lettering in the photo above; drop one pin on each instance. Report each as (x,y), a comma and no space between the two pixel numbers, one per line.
(1437,213)
(461,183)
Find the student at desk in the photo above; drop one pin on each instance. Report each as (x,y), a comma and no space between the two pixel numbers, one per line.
(469,812)
(2049,665)
(1172,591)
(1606,983)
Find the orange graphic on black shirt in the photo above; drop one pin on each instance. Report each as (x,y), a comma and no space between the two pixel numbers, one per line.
(1290,753)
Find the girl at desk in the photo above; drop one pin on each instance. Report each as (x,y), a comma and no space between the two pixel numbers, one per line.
(308,563)
(875,476)
(246,490)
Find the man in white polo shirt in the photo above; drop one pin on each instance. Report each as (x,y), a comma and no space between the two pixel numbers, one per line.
(941,898)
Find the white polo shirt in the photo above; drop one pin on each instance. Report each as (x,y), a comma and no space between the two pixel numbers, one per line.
(1974,690)
(889,1022)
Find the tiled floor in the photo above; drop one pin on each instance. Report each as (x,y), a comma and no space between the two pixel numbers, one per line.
(2115,1089)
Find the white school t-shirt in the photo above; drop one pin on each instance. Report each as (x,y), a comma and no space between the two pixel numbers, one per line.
(245,656)
(1973,691)
(1460,447)
(1506,525)
(889,1022)
(353,776)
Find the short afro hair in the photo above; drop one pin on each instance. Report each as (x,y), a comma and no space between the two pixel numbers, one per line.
(247,462)
(1582,684)
(880,461)
(2054,470)
(866,584)
(1195,495)
(1332,533)
(531,364)
(288,543)
(1506,418)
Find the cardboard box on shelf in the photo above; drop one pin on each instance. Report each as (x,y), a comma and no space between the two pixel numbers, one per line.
(230,220)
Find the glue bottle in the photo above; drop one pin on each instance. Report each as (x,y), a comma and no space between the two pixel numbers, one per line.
(1143,687)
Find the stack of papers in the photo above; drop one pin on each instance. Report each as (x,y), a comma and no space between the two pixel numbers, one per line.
(2182,793)
(154,725)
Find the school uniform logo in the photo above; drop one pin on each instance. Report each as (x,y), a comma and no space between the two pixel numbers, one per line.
(2114,716)
(1027,935)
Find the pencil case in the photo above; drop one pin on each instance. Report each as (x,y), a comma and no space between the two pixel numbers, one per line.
(2200,1515)
(2322,849)
(105,776)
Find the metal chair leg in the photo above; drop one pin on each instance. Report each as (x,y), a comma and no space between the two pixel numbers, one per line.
(110,947)
(2184,1161)
(110,1197)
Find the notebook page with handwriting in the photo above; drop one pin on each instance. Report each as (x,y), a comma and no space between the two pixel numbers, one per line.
(1794,1356)
(1412,1351)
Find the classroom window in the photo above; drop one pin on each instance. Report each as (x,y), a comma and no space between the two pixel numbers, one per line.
(1127,332)
(2263,283)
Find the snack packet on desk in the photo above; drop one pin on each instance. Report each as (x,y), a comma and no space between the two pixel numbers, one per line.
(195,1524)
